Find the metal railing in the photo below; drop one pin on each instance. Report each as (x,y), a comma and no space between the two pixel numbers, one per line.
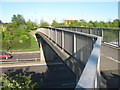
(110,36)
(83,49)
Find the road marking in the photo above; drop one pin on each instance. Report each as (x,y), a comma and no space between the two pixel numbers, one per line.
(68,84)
(111,58)
(31,65)
(21,65)
(24,52)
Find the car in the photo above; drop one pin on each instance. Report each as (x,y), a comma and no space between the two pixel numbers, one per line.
(5,55)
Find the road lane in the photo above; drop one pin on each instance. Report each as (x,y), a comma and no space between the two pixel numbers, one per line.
(27,55)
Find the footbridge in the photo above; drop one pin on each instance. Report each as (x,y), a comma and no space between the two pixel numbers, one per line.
(110,53)
(79,51)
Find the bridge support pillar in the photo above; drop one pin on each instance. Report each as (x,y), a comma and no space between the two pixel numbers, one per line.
(46,52)
(42,57)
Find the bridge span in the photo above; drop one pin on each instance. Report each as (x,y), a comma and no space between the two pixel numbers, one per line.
(81,53)
(110,52)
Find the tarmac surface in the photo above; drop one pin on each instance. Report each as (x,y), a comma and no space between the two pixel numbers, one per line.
(110,66)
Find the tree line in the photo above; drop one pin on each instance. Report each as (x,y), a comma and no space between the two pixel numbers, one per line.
(82,23)
(16,34)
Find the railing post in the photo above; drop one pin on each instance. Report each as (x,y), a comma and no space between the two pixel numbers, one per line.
(49,33)
(62,39)
(118,38)
(76,29)
(56,36)
(74,46)
(102,33)
(90,31)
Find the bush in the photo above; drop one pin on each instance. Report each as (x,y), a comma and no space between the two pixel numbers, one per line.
(20,80)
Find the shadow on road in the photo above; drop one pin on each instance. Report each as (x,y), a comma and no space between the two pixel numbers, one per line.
(112,79)
(50,76)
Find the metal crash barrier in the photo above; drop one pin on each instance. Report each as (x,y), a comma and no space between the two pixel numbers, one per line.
(83,50)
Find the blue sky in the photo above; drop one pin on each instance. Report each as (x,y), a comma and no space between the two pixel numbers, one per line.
(35,11)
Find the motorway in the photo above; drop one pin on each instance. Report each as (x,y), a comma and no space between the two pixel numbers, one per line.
(49,75)
(25,55)
(18,57)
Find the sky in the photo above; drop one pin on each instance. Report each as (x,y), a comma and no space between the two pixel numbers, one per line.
(59,11)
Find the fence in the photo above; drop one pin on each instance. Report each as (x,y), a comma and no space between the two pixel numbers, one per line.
(84,49)
(110,36)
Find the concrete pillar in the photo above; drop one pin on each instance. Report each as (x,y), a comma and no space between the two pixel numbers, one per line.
(42,56)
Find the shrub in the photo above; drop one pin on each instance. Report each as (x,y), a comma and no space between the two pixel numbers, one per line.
(20,80)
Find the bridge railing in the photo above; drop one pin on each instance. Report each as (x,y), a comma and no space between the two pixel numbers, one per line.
(84,49)
(110,36)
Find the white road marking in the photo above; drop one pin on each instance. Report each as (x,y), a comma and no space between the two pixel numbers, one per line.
(24,52)
(111,58)
(21,65)
(30,65)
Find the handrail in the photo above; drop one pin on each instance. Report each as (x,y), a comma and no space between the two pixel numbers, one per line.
(81,33)
(88,78)
(90,28)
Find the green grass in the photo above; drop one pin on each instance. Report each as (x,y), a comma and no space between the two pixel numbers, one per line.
(31,45)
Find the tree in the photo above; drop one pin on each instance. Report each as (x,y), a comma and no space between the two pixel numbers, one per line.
(18,19)
(62,24)
(43,23)
(116,23)
(1,21)
(20,80)
(31,25)
(55,24)
(83,23)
